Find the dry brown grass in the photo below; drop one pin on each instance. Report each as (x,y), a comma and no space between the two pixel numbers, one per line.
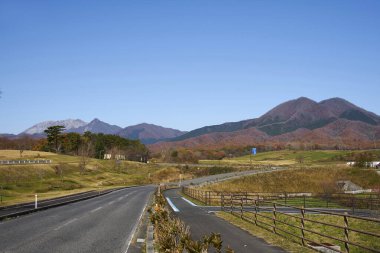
(300,180)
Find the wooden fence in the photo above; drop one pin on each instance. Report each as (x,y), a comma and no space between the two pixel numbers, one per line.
(307,200)
(311,227)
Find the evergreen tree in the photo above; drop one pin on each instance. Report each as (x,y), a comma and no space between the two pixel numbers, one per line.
(54,137)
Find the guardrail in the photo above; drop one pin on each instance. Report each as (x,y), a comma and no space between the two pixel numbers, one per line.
(311,227)
(18,162)
(26,208)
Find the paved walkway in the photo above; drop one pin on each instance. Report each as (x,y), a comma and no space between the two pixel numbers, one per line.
(202,222)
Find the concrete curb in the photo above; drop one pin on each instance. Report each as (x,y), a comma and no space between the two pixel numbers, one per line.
(149,240)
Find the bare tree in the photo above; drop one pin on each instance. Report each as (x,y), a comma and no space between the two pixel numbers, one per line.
(300,158)
(59,170)
(84,152)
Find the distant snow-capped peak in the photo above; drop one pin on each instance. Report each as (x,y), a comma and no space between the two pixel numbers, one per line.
(68,124)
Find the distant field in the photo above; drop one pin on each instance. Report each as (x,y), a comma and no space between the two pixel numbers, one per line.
(316,180)
(19,183)
(289,157)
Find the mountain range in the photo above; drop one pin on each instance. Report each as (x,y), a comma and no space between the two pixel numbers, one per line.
(147,133)
(329,123)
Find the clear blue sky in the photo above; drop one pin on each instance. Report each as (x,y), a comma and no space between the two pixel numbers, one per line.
(182,64)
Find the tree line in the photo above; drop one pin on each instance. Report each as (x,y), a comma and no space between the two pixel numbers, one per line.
(94,145)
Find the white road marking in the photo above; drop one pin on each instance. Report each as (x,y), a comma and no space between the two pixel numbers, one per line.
(120,198)
(130,237)
(65,224)
(188,201)
(175,209)
(96,209)
(110,203)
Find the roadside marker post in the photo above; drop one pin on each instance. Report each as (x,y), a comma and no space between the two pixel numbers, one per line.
(253,152)
(35,201)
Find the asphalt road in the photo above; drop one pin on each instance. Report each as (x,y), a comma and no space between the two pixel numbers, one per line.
(227,176)
(202,222)
(102,224)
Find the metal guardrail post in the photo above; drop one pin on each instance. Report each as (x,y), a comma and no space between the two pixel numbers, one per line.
(303,225)
(346,244)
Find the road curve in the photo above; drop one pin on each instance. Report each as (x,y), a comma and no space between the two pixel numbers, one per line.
(102,224)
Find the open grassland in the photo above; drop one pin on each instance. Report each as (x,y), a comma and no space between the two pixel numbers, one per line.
(293,244)
(314,180)
(291,157)
(19,183)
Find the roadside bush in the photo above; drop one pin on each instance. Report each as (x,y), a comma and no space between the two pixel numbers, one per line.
(172,235)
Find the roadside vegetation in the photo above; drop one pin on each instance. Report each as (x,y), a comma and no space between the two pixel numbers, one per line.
(172,235)
(314,180)
(300,158)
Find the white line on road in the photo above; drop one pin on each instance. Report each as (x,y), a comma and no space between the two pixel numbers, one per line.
(110,203)
(65,224)
(188,201)
(96,209)
(130,237)
(175,209)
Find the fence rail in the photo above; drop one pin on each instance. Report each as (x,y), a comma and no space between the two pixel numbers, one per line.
(307,200)
(311,227)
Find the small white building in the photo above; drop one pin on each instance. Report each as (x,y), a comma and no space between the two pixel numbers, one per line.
(120,157)
(375,164)
(107,156)
(117,157)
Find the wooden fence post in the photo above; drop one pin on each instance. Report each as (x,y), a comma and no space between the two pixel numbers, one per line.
(274,217)
(304,200)
(256,212)
(222,201)
(241,207)
(346,243)
(286,196)
(231,203)
(303,225)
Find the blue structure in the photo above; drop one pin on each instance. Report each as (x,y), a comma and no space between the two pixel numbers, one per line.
(253,151)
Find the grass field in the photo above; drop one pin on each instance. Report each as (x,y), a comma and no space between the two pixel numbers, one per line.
(19,183)
(290,157)
(315,180)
